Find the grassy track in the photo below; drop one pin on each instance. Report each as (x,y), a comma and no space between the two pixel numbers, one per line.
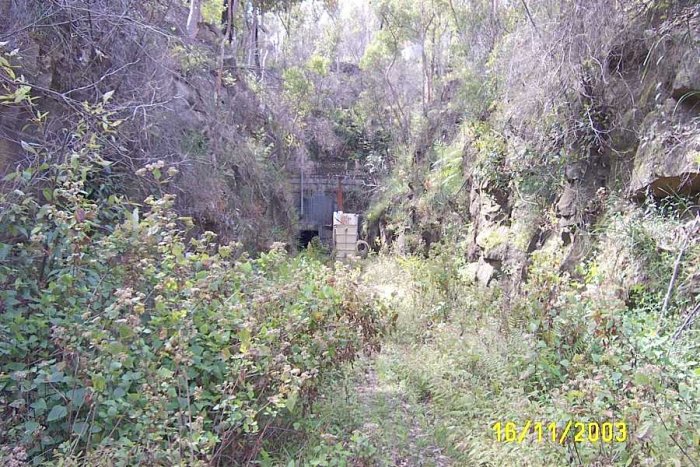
(458,362)
(429,397)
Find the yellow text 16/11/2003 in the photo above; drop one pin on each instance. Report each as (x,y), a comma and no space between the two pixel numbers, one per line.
(578,432)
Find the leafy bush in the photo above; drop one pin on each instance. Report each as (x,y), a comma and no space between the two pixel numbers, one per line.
(298,88)
(125,340)
(490,149)
(141,346)
(318,64)
(212,11)
(193,58)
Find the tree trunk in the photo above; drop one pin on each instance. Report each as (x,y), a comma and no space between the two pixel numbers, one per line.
(5,6)
(194,18)
(424,78)
(228,36)
(231,13)
(256,45)
(249,38)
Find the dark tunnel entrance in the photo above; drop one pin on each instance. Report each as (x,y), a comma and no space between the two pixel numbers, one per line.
(305,237)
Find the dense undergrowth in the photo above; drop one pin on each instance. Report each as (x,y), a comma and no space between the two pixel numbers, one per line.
(139,346)
(526,277)
(125,339)
(536,278)
(578,355)
(464,357)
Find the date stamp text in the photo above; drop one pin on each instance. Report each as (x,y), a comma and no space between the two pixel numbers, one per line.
(579,432)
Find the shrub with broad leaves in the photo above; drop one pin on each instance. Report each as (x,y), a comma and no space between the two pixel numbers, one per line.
(125,340)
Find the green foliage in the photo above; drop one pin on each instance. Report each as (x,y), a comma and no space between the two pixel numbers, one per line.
(490,148)
(318,64)
(212,11)
(559,350)
(476,92)
(139,332)
(15,91)
(193,59)
(317,250)
(363,143)
(380,49)
(446,174)
(125,339)
(334,452)
(298,88)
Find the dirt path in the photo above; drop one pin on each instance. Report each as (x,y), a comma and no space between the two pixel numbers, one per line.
(397,426)
(416,448)
(374,412)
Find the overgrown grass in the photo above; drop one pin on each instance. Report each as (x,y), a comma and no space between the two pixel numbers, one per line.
(462,358)
(453,359)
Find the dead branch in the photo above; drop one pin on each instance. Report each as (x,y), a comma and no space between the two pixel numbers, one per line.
(677,265)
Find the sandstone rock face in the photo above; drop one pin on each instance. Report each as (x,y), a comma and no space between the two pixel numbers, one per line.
(667,161)
(667,156)
(484,273)
(566,206)
(490,209)
(687,81)
(469,271)
(494,242)
(657,131)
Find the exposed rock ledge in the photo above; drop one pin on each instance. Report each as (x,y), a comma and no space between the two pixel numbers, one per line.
(668,159)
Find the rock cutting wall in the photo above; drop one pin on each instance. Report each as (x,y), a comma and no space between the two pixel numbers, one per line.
(652,151)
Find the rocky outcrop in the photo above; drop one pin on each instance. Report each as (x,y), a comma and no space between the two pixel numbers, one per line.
(480,272)
(668,158)
(686,85)
(687,82)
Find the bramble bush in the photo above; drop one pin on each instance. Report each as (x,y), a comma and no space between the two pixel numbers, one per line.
(141,346)
(126,340)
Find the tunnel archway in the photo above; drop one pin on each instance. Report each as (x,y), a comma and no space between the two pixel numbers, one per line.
(305,237)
